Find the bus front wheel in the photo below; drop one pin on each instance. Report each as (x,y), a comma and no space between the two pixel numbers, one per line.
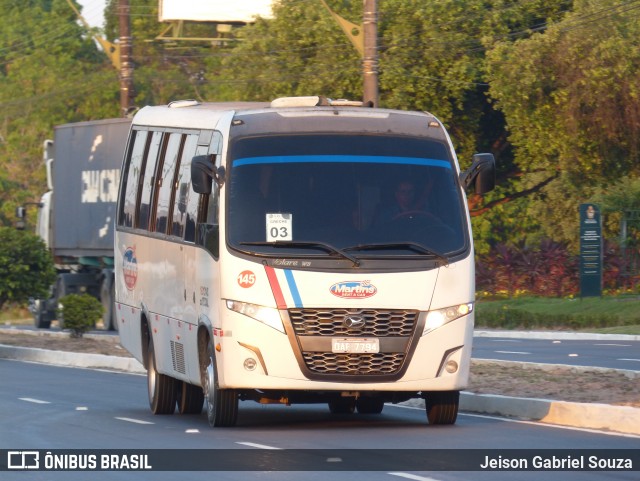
(221,404)
(442,406)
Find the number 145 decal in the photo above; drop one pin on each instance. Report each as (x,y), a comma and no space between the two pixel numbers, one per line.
(246,279)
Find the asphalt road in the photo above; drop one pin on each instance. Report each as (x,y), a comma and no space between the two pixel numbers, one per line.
(47,407)
(614,354)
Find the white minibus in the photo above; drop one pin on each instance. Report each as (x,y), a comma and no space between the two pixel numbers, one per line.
(303,251)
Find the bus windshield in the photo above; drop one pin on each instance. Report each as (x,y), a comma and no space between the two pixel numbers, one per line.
(355,195)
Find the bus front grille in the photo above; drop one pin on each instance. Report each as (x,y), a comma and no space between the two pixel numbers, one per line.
(354,364)
(331,322)
(314,330)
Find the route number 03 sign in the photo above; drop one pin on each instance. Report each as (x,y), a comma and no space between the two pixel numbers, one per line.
(279,227)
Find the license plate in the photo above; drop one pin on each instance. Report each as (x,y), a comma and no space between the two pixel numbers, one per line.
(355,345)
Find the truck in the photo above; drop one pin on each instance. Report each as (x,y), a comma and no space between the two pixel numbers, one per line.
(76,215)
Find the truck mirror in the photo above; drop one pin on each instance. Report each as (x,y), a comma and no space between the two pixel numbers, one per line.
(481,175)
(203,171)
(20,212)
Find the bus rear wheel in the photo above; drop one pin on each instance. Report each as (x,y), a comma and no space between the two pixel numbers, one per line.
(342,406)
(442,406)
(190,399)
(369,405)
(221,404)
(162,388)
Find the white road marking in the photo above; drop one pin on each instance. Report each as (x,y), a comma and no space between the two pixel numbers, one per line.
(192,431)
(412,476)
(135,421)
(505,340)
(255,445)
(573,355)
(511,352)
(612,344)
(82,408)
(34,401)
(634,360)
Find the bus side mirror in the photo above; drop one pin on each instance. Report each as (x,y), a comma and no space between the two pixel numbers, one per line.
(203,171)
(21,212)
(481,175)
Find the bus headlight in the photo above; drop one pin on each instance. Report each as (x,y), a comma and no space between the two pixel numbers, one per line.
(440,317)
(266,315)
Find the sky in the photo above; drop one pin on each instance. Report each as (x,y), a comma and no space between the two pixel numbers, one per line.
(92,11)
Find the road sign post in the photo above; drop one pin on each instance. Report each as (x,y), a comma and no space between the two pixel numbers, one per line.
(590,251)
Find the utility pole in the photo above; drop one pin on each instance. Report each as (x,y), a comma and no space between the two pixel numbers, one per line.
(126,65)
(370,59)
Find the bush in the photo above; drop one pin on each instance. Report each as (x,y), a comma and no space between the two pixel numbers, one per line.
(80,311)
(26,266)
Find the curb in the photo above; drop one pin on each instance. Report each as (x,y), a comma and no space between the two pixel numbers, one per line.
(620,419)
(72,359)
(556,335)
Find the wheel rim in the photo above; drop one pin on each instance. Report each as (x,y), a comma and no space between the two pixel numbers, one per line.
(209,383)
(151,379)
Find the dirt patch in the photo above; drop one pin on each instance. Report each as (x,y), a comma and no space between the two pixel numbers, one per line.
(558,383)
(108,346)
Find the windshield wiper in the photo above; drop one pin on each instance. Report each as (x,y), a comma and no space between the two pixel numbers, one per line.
(323,245)
(400,245)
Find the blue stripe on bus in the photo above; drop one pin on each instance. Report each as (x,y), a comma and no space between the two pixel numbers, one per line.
(297,300)
(359,159)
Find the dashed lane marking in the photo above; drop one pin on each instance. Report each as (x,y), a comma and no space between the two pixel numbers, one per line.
(34,401)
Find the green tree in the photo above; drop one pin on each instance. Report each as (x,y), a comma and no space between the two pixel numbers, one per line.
(51,72)
(26,266)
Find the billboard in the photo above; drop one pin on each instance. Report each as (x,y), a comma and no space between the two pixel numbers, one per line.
(221,11)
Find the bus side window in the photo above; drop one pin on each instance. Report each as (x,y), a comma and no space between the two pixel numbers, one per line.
(211,203)
(181,187)
(146,189)
(193,201)
(133,164)
(164,184)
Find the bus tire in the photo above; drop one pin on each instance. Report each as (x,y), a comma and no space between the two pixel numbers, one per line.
(221,404)
(442,406)
(369,405)
(190,399)
(342,406)
(162,388)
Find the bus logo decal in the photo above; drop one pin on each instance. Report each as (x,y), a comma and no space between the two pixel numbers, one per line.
(353,289)
(130,268)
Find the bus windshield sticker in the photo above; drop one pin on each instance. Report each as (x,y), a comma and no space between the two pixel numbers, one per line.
(279,227)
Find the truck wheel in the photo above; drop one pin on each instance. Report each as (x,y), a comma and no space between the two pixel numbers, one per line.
(109,315)
(41,317)
(221,404)
(190,399)
(162,388)
(442,406)
(61,291)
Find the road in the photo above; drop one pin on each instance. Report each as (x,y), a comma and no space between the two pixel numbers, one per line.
(599,353)
(47,407)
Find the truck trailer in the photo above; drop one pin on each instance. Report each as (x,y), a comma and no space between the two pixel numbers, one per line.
(76,216)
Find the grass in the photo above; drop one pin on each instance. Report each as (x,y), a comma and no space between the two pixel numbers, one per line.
(619,315)
(15,315)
